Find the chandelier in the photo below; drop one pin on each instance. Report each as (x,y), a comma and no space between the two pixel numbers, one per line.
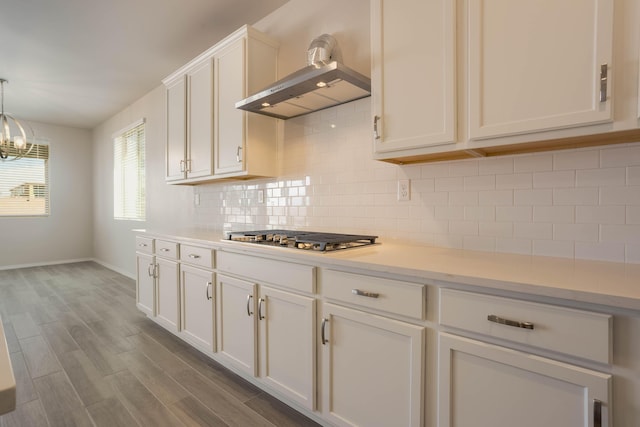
(18,146)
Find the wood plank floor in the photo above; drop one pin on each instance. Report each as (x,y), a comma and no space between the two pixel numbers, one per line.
(83,355)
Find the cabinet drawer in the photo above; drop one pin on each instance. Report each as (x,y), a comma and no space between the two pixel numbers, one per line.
(144,245)
(166,249)
(394,296)
(286,274)
(197,255)
(574,332)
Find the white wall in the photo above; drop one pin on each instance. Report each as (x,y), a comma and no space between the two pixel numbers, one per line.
(167,205)
(65,234)
(575,204)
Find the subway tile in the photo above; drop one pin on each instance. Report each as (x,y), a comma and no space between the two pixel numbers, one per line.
(554,248)
(620,195)
(449,213)
(479,243)
(554,214)
(467,228)
(495,229)
(514,213)
(527,230)
(495,198)
(514,180)
(575,196)
(533,197)
(479,213)
(626,233)
(632,253)
(496,165)
(620,156)
(571,160)
(449,184)
(554,179)
(464,168)
(632,215)
(463,198)
(576,232)
(633,175)
(600,214)
(602,251)
(434,170)
(600,177)
(514,246)
(475,183)
(533,163)
(435,226)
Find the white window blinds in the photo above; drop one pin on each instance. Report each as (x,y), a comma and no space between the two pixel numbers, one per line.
(129,173)
(24,183)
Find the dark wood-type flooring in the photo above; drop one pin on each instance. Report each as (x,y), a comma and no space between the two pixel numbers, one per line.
(83,355)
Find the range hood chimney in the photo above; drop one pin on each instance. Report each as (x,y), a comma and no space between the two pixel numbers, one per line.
(323,83)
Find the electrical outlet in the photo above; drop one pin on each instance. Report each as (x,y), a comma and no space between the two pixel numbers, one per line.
(260,196)
(404,190)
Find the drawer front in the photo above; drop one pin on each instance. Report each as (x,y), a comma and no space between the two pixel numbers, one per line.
(394,296)
(166,249)
(197,255)
(577,333)
(144,245)
(285,274)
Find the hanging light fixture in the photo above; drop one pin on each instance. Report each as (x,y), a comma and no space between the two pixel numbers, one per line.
(18,146)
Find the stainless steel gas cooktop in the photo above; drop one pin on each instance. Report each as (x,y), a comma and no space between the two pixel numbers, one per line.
(309,240)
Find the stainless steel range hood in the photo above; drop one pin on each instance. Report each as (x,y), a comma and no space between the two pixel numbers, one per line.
(324,83)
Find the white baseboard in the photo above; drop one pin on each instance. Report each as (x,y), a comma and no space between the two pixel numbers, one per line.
(41,264)
(114,268)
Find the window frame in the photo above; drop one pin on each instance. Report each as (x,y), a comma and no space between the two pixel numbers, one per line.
(123,211)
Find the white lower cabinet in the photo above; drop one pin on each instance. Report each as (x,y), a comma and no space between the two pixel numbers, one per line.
(145,284)
(482,384)
(197,306)
(167,273)
(372,369)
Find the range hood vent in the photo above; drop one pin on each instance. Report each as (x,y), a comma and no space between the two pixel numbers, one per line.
(323,83)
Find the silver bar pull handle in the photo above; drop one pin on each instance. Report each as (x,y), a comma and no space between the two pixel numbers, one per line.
(260,301)
(151,273)
(365,293)
(194,256)
(164,250)
(376,134)
(208,294)
(249,312)
(322,331)
(182,166)
(238,156)
(603,82)
(514,323)
(143,245)
(597,413)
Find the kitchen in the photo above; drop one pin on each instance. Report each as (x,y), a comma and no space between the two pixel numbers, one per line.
(329,181)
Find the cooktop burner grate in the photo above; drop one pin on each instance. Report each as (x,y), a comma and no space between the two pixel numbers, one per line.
(308,240)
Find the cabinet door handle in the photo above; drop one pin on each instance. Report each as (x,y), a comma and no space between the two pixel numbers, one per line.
(194,256)
(238,151)
(597,413)
(151,273)
(514,323)
(164,250)
(260,301)
(143,245)
(249,312)
(208,294)
(188,162)
(376,134)
(323,337)
(365,293)
(603,82)
(182,166)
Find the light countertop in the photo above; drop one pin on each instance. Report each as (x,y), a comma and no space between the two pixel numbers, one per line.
(597,282)
(7,380)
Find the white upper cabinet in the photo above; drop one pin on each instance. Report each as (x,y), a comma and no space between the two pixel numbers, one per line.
(536,66)
(207,137)
(413,74)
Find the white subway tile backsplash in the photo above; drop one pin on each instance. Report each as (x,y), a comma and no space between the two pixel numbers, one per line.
(576,203)
(576,159)
(600,177)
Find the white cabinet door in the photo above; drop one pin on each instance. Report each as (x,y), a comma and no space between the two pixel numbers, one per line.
(372,369)
(536,65)
(236,322)
(145,284)
(413,74)
(197,303)
(481,384)
(287,337)
(200,120)
(176,130)
(168,296)
(230,122)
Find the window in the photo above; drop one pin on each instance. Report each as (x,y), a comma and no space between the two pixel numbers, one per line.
(24,183)
(129,173)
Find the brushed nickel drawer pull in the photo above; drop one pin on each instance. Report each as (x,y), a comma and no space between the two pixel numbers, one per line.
(164,250)
(194,256)
(514,323)
(597,413)
(249,312)
(209,285)
(260,301)
(365,293)
(143,245)
(322,329)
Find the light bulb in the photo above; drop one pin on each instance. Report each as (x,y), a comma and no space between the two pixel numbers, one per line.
(19,142)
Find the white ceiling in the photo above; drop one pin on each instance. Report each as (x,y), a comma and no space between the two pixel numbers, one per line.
(78,62)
